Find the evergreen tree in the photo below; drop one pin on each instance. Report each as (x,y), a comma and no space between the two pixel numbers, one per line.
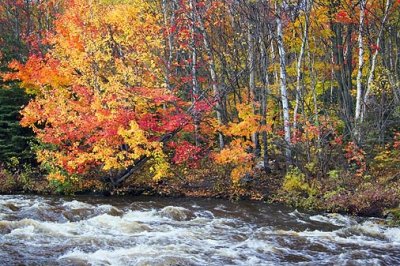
(14,139)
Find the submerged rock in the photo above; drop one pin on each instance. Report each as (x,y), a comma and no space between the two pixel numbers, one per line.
(177,213)
(12,207)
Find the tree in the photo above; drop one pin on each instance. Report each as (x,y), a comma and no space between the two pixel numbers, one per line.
(360,68)
(99,102)
(283,81)
(14,139)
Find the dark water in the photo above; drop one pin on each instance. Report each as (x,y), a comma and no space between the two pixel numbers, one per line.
(161,231)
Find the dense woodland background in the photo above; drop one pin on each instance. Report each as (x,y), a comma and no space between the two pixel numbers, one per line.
(301,94)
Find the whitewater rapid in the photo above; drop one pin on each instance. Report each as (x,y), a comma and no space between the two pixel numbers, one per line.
(160,231)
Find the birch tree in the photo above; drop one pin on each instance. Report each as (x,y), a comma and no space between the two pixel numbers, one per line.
(360,69)
(283,81)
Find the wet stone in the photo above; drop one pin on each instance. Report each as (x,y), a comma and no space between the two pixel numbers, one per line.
(177,213)
(115,212)
(4,228)
(76,215)
(12,207)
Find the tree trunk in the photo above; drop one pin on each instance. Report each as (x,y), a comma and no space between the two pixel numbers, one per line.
(373,61)
(345,99)
(359,71)
(252,85)
(195,84)
(299,64)
(214,80)
(170,39)
(264,105)
(283,85)
(140,162)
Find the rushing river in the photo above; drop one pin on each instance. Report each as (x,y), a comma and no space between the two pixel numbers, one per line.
(162,231)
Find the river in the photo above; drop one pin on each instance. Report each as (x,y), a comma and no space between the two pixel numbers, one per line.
(95,230)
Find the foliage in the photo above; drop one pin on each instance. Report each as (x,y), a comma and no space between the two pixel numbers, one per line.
(393,216)
(370,198)
(297,190)
(239,151)
(97,90)
(356,158)
(295,181)
(16,176)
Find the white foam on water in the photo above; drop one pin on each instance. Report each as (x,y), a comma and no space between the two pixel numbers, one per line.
(367,234)
(108,208)
(18,200)
(101,226)
(26,232)
(106,224)
(129,256)
(76,205)
(30,227)
(257,245)
(295,213)
(333,218)
(147,216)
(393,234)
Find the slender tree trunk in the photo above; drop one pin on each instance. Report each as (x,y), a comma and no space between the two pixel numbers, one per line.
(340,71)
(252,84)
(170,41)
(348,66)
(214,80)
(394,78)
(195,84)
(396,66)
(273,58)
(359,71)
(283,84)
(373,61)
(264,105)
(299,64)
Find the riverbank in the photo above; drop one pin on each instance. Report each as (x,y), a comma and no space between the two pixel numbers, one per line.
(373,199)
(200,184)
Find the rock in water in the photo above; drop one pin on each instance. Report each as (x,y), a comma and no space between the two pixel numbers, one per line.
(177,213)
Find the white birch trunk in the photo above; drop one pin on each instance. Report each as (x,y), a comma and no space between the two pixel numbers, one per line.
(264,104)
(283,84)
(359,70)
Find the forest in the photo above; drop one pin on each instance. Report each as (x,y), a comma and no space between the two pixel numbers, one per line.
(287,101)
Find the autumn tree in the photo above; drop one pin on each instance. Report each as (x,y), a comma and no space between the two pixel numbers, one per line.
(99,100)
